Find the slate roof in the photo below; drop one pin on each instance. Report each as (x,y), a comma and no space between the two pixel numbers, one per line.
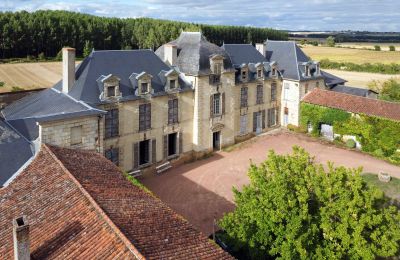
(194,52)
(243,53)
(354,104)
(79,205)
(49,104)
(362,92)
(332,80)
(119,63)
(15,150)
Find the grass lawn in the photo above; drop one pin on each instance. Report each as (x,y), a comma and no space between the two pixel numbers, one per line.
(357,56)
(391,189)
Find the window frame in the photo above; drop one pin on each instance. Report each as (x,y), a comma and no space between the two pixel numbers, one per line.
(217,107)
(244,96)
(259,94)
(111,123)
(172,86)
(141,87)
(114,91)
(286,88)
(173,109)
(144,117)
(72,134)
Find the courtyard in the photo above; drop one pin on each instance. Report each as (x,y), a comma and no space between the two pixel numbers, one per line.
(202,191)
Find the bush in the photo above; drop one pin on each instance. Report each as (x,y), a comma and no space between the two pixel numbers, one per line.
(297,129)
(41,56)
(392,48)
(330,41)
(392,68)
(30,57)
(2,84)
(377,47)
(350,143)
(16,89)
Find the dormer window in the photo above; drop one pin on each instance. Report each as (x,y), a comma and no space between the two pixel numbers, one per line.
(243,74)
(307,70)
(144,87)
(216,64)
(111,91)
(172,84)
(259,73)
(109,86)
(217,68)
(273,73)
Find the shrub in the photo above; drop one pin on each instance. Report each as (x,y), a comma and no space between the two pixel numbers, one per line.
(392,48)
(30,57)
(377,47)
(16,89)
(330,41)
(41,56)
(2,84)
(351,143)
(297,129)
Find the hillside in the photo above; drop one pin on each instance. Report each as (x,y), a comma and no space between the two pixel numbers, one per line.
(46,32)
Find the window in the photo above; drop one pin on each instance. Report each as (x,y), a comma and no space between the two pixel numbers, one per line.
(113,155)
(111,91)
(144,152)
(144,117)
(172,84)
(217,68)
(307,70)
(286,91)
(76,135)
(217,104)
(243,97)
(271,117)
(260,94)
(259,73)
(273,91)
(244,75)
(173,111)
(144,87)
(243,124)
(273,72)
(112,123)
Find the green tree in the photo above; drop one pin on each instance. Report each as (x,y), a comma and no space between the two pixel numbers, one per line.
(294,209)
(392,48)
(377,47)
(330,41)
(88,48)
(389,90)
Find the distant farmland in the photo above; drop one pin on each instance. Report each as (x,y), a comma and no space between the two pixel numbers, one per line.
(357,56)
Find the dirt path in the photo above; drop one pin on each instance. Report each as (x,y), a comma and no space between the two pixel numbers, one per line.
(202,191)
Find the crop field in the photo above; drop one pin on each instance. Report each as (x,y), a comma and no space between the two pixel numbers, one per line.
(357,56)
(361,79)
(369,45)
(29,75)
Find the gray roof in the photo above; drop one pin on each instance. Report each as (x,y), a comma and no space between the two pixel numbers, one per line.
(362,92)
(49,104)
(194,53)
(15,150)
(122,64)
(243,53)
(332,80)
(290,58)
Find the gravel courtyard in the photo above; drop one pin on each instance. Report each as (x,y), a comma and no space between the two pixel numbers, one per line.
(202,190)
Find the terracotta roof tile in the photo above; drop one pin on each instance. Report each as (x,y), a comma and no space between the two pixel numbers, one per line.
(354,104)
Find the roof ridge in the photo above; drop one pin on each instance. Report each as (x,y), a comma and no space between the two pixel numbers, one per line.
(297,62)
(92,201)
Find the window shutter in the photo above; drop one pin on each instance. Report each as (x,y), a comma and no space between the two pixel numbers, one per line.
(153,150)
(277,113)
(165,146)
(149,114)
(180,140)
(263,119)
(254,121)
(135,155)
(223,103)
(211,105)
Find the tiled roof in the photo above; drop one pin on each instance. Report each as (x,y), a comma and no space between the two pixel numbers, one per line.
(354,104)
(110,217)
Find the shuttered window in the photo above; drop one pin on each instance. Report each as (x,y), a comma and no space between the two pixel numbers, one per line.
(243,97)
(273,92)
(260,94)
(112,155)
(144,117)
(243,124)
(217,104)
(271,117)
(173,111)
(112,123)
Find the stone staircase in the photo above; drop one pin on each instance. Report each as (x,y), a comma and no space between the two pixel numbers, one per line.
(163,167)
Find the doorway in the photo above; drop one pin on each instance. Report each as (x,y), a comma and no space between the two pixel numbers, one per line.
(172,138)
(217,140)
(259,123)
(144,152)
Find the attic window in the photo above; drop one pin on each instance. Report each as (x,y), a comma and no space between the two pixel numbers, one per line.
(144,87)
(111,91)
(217,68)
(274,72)
(307,70)
(259,73)
(172,84)
(244,75)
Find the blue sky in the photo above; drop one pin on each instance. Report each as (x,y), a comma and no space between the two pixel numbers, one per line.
(370,15)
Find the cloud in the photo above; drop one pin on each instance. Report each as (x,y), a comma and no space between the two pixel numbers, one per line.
(291,15)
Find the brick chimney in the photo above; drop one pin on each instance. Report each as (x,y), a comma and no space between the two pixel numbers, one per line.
(170,54)
(262,48)
(68,57)
(21,238)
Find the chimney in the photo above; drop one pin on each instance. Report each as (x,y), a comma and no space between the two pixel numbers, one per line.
(68,56)
(262,48)
(170,54)
(21,238)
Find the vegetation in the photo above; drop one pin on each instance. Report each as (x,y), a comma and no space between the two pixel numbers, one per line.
(377,47)
(137,183)
(350,143)
(366,67)
(392,48)
(388,90)
(2,84)
(391,189)
(294,209)
(377,136)
(330,41)
(26,33)
(16,89)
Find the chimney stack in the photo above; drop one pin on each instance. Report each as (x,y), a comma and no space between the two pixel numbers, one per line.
(170,54)
(68,56)
(21,239)
(262,48)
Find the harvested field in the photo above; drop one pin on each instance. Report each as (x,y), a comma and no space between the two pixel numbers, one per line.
(357,56)
(369,45)
(30,75)
(361,79)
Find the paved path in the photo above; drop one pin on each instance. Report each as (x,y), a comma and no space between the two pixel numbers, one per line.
(202,191)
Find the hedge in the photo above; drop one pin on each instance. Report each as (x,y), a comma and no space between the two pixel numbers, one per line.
(392,68)
(378,136)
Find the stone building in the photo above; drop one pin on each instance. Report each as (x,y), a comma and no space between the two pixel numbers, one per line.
(146,110)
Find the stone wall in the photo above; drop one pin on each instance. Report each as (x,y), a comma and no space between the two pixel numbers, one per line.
(59,133)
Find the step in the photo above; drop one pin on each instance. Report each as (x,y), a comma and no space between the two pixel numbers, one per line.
(163,167)
(135,173)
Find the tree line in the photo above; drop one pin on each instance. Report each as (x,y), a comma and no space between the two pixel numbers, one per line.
(25,34)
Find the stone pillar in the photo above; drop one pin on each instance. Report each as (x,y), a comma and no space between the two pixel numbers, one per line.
(68,57)
(21,238)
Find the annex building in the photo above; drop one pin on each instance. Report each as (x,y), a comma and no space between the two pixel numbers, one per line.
(146,110)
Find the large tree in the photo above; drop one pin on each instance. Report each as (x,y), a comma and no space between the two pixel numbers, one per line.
(295,209)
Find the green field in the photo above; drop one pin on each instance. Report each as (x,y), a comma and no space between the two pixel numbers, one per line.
(391,189)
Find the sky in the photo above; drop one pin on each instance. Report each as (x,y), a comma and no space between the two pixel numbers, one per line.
(315,15)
